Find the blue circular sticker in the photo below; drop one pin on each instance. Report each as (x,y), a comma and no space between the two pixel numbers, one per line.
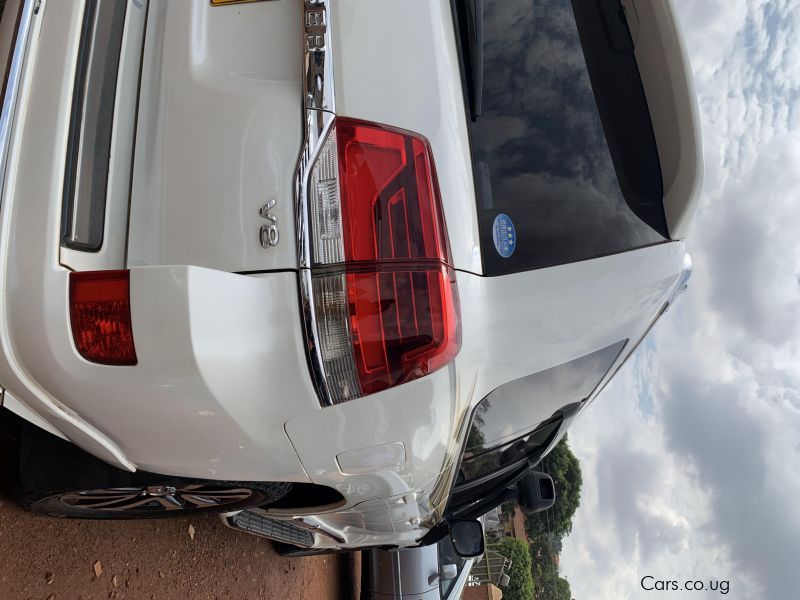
(505,236)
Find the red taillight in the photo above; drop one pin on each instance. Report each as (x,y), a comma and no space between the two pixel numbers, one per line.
(389,198)
(386,304)
(404,324)
(100,312)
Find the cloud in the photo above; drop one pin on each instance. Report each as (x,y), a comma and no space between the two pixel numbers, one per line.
(711,28)
(728,430)
(754,262)
(690,457)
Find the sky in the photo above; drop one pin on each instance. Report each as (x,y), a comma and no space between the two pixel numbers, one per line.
(691,457)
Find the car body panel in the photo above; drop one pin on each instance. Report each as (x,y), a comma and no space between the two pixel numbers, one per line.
(12,403)
(219,135)
(215,381)
(543,318)
(418,414)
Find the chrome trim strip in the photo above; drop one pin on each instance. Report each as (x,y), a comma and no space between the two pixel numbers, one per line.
(29,9)
(318,107)
(317,125)
(313,351)
(318,92)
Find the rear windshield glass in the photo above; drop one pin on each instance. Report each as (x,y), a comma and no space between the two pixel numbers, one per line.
(565,161)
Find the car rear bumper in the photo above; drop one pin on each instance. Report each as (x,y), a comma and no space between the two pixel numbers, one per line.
(221,369)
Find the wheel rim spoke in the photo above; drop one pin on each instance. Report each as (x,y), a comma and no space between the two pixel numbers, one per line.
(108,493)
(155,499)
(216,498)
(119,502)
(171,502)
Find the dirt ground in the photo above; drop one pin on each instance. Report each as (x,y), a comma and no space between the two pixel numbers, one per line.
(45,558)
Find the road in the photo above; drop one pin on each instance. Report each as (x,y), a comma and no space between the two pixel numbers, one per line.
(45,558)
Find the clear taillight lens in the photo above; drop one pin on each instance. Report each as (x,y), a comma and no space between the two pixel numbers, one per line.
(332,313)
(326,214)
(384,292)
(100,312)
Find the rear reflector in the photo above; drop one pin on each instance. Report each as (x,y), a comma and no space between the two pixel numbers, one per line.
(100,312)
(383,289)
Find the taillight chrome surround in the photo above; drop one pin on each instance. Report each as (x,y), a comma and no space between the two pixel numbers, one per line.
(333,287)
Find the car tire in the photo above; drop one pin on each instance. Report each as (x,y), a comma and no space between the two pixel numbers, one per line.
(56,478)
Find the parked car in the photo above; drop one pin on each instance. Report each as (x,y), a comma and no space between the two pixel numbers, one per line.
(434,572)
(342,270)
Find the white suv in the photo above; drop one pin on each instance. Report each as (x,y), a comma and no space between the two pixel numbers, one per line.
(342,269)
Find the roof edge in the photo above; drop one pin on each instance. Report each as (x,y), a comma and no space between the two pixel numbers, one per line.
(666,73)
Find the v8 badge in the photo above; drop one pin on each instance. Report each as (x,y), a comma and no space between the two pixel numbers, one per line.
(269,231)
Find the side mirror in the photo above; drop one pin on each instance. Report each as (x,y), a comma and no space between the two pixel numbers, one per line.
(467,537)
(536,492)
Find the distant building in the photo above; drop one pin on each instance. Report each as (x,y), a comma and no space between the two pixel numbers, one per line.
(514,526)
(486,591)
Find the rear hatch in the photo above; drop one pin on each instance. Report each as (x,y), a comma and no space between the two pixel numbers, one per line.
(218,137)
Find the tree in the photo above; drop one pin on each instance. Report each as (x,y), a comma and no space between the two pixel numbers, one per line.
(552,587)
(520,586)
(565,469)
(547,528)
(547,583)
(563,591)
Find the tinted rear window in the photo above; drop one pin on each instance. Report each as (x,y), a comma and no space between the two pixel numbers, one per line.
(564,147)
